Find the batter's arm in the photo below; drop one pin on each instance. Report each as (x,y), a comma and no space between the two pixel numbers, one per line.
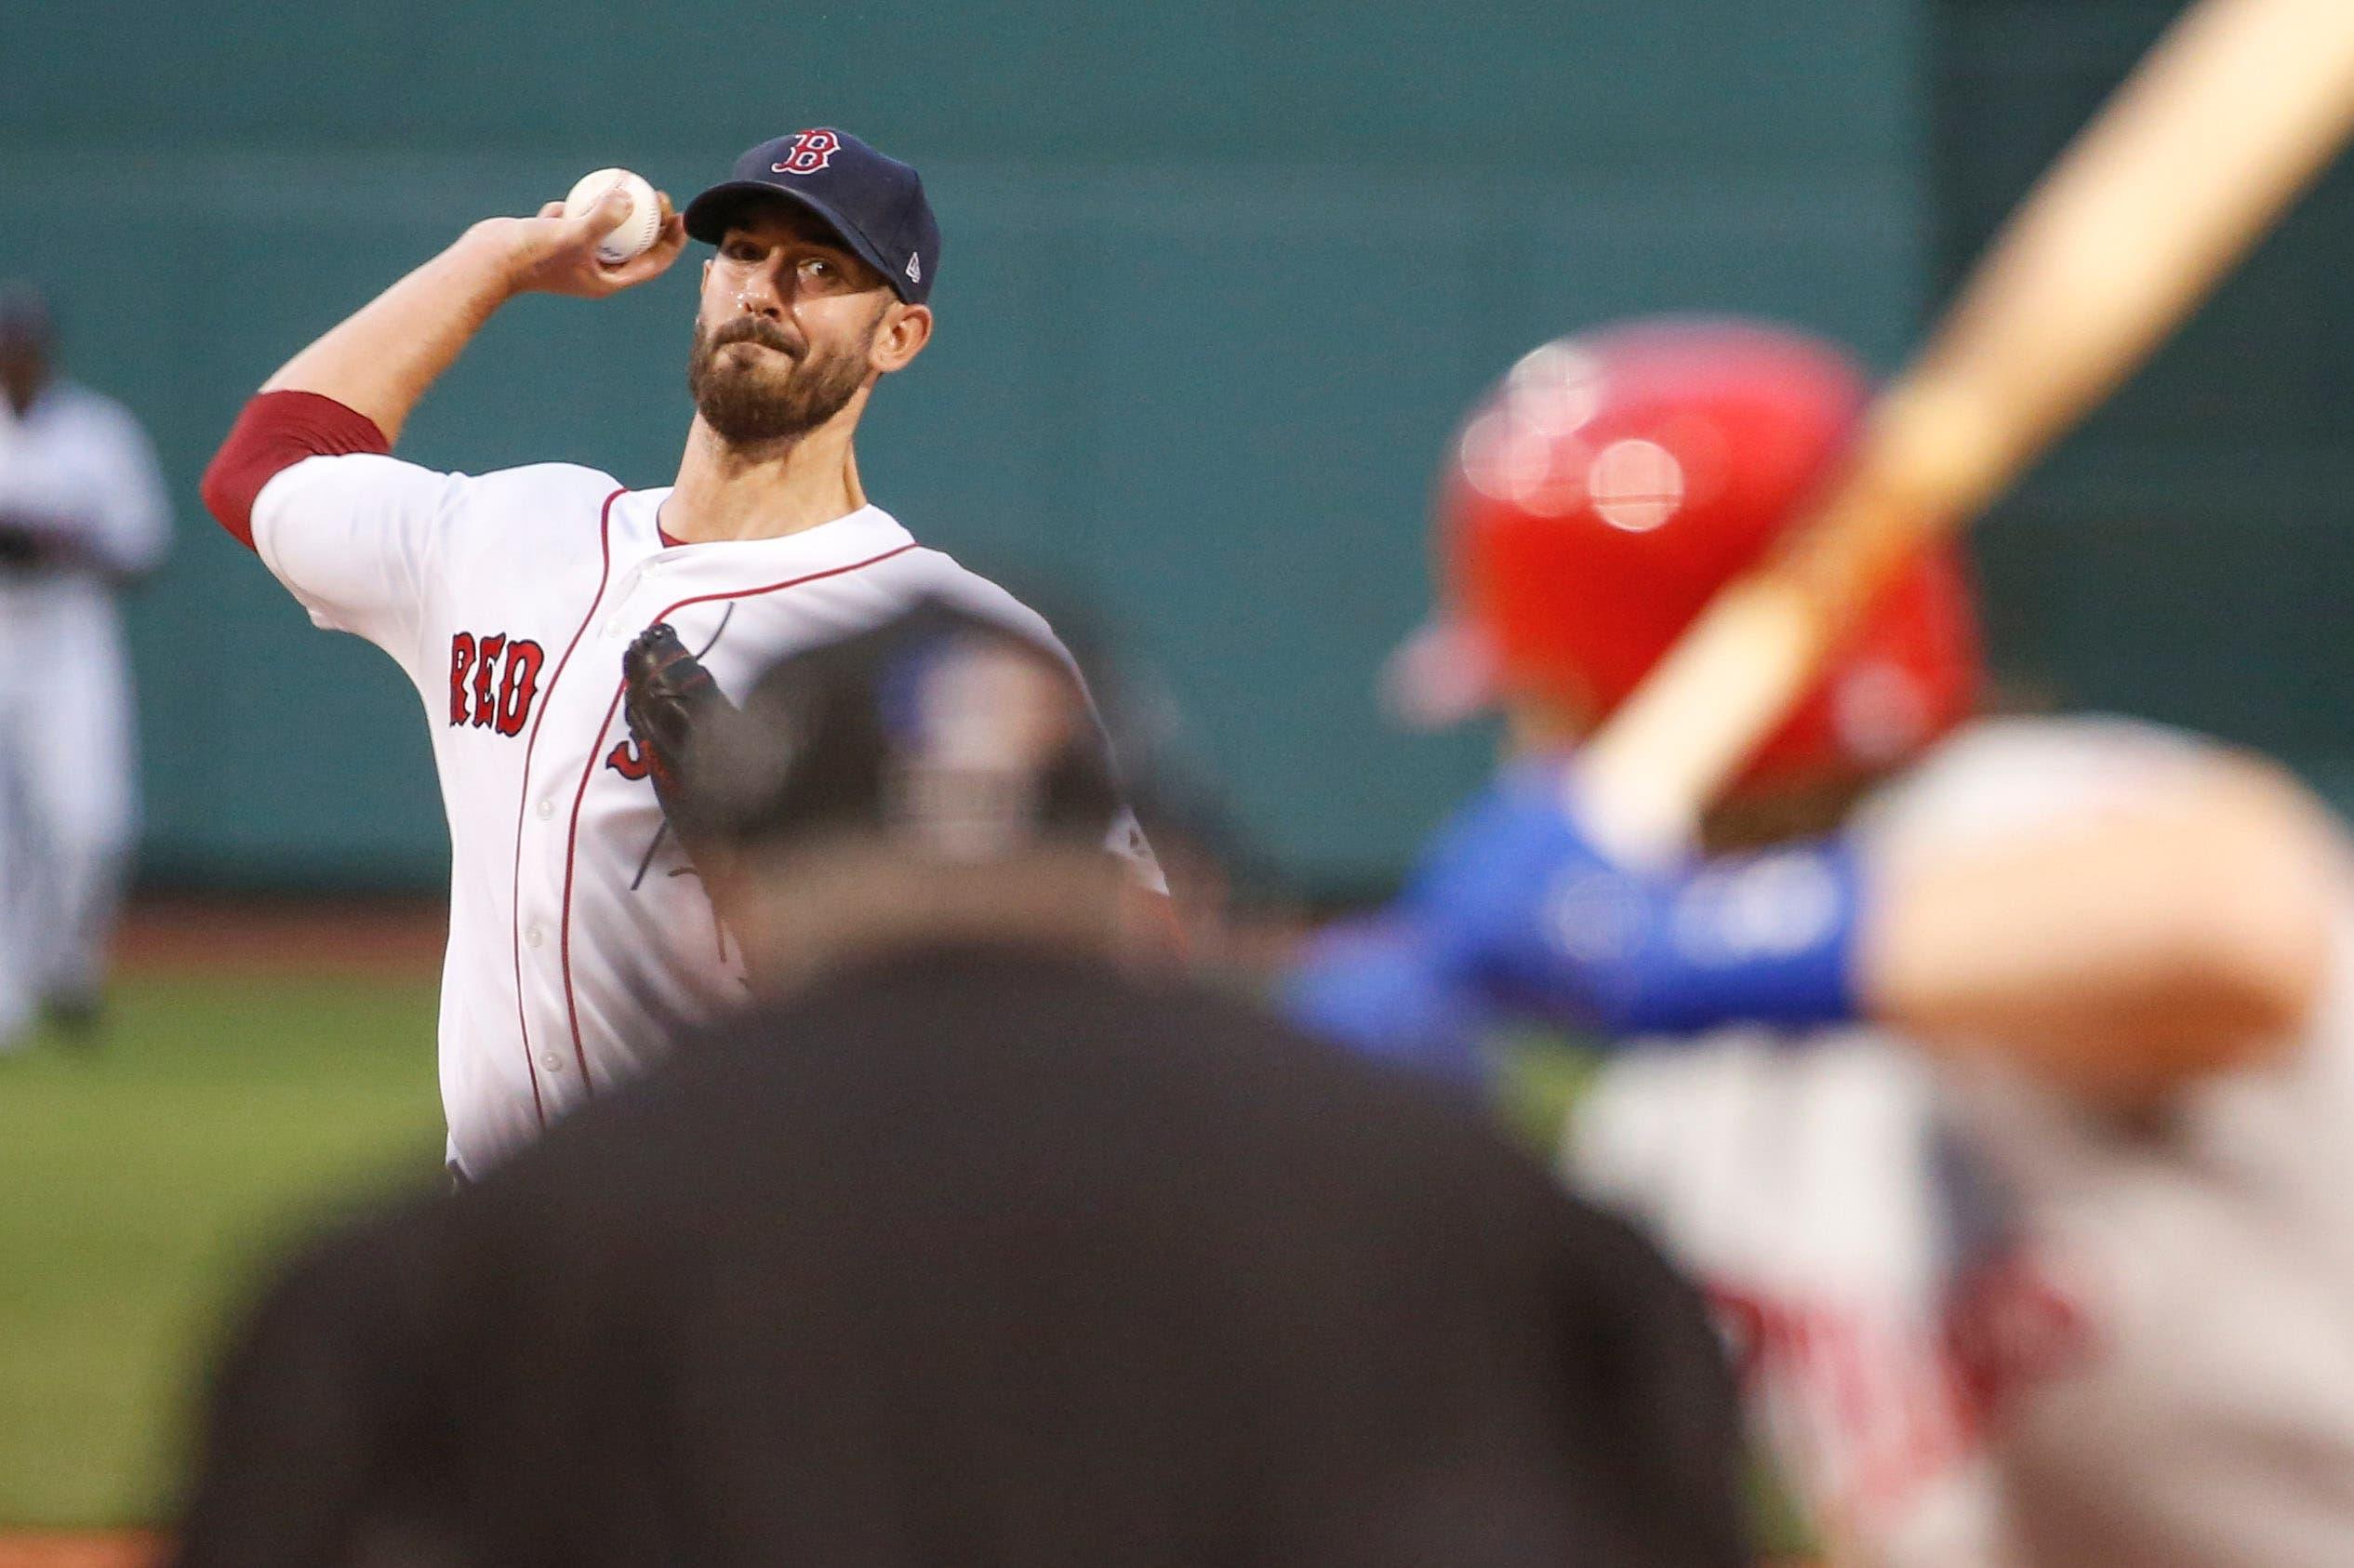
(379,362)
(2122,952)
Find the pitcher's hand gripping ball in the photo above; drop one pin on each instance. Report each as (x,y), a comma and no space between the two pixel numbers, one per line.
(638,229)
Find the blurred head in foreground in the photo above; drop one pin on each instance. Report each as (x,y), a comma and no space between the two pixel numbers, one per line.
(938,777)
(974,1247)
(1599,496)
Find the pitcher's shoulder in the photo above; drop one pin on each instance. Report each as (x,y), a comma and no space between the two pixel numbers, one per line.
(933,573)
(545,484)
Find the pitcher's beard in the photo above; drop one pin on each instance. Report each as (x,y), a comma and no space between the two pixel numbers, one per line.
(745,404)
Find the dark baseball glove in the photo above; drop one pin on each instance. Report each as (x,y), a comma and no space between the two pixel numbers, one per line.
(675,712)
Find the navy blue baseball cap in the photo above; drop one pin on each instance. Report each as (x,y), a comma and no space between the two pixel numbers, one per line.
(875,203)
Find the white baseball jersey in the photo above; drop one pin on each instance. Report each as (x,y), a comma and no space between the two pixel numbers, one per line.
(1983,1324)
(75,469)
(579,938)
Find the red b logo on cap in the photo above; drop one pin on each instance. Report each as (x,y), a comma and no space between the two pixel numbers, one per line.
(812,150)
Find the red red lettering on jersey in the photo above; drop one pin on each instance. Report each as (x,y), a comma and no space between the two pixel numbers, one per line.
(492,681)
(628,761)
(1886,1408)
(486,671)
(812,151)
(2013,1322)
(462,659)
(518,684)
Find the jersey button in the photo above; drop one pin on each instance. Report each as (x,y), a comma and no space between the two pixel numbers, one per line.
(532,935)
(615,627)
(546,809)
(551,1061)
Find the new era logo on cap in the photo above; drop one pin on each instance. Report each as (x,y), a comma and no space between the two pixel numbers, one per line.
(874,204)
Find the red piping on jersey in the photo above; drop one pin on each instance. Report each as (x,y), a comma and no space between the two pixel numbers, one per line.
(523,806)
(276,431)
(571,1004)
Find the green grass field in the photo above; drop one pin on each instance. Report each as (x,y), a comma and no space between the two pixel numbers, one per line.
(141,1184)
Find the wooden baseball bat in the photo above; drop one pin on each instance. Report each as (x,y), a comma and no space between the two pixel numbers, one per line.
(2236,110)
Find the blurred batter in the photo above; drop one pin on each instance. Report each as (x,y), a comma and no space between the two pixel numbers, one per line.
(1997,1089)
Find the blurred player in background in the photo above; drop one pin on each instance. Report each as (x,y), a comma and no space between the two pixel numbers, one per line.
(83,515)
(974,1243)
(580,938)
(1993,1075)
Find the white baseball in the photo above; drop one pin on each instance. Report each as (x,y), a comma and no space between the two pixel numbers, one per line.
(638,227)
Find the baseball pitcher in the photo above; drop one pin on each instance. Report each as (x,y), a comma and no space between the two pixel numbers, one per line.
(580,936)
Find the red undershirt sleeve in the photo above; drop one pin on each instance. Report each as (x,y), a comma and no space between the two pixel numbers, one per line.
(277,430)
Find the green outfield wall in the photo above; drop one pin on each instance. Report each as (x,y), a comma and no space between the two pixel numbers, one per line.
(2191,554)
(1217,280)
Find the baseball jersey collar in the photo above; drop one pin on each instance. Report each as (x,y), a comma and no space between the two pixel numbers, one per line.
(868,531)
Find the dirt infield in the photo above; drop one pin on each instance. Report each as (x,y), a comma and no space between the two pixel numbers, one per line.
(183,934)
(119,1548)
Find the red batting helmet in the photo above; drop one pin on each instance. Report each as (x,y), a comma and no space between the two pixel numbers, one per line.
(1614,481)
